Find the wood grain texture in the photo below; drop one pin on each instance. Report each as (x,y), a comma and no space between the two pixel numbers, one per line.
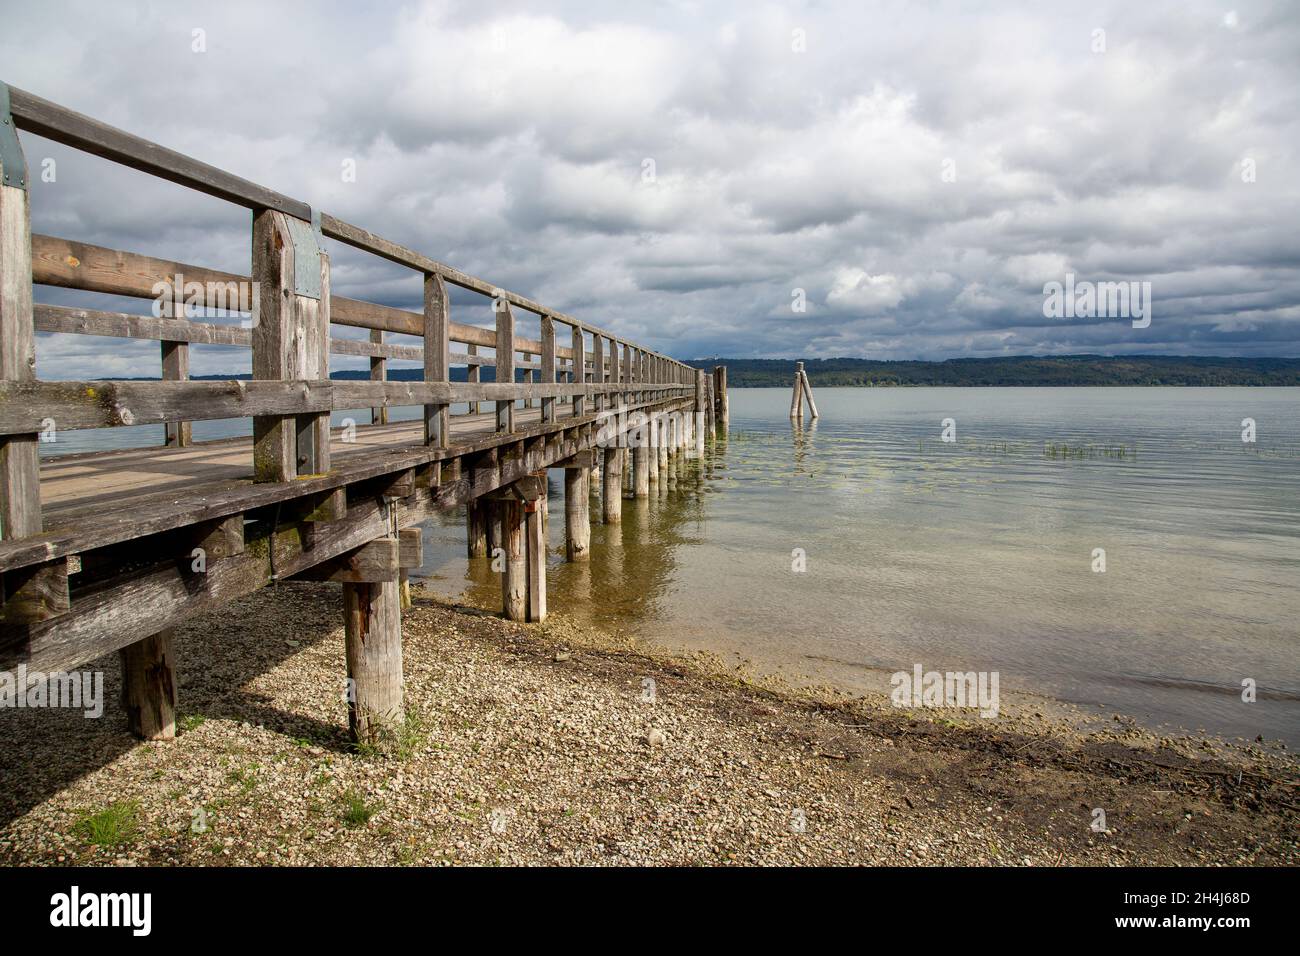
(372,628)
(514,577)
(437,358)
(535,543)
(149,687)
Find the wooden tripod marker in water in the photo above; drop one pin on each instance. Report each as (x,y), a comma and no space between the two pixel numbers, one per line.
(802,389)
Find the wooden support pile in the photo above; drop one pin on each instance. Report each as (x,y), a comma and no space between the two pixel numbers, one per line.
(802,390)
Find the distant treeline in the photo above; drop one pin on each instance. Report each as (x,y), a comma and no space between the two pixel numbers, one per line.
(1015,370)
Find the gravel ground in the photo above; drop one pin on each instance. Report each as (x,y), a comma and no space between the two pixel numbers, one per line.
(545,745)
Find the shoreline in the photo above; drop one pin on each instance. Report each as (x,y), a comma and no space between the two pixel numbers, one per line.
(541,745)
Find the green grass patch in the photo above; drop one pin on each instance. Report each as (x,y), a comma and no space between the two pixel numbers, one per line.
(116,825)
(188,722)
(356,812)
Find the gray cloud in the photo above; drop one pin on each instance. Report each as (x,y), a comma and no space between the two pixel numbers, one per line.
(511,141)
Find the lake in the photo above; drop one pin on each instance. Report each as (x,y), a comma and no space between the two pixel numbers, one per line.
(970,555)
(976,554)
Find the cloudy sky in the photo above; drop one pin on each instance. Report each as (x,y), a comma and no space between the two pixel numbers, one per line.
(677,172)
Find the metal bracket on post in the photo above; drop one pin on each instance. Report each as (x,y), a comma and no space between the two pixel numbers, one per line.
(11,150)
(307,242)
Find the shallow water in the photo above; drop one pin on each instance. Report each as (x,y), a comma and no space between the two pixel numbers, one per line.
(972,555)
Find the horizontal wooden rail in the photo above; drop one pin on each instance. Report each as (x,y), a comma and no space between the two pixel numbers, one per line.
(79,265)
(126,325)
(361,239)
(62,125)
(34,407)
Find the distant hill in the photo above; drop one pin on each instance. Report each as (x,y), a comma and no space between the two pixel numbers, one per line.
(1016,370)
(1013,370)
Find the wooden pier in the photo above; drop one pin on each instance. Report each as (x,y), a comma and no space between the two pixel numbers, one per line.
(108,551)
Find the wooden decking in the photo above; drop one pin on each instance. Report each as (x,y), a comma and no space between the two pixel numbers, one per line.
(107,551)
(75,485)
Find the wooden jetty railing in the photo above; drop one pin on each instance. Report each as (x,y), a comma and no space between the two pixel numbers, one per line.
(110,550)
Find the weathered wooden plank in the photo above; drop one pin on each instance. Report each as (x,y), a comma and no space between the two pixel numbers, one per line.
(535,543)
(588,458)
(151,598)
(505,351)
(437,364)
(278,337)
(399,484)
(362,239)
(476,528)
(372,626)
(378,373)
(20,497)
(375,561)
(79,265)
(123,325)
(220,538)
(377,349)
(410,549)
(355,393)
(175,368)
(577,515)
(526,488)
(579,374)
(73,405)
(611,495)
(327,506)
(514,578)
(547,363)
(78,529)
(62,125)
(474,374)
(38,592)
(149,687)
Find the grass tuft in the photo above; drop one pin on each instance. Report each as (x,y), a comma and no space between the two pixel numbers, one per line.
(356,812)
(115,825)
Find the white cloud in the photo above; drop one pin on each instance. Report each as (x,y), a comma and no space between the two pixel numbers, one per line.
(508,140)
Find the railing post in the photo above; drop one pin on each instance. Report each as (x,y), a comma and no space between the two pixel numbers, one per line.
(378,373)
(697,425)
(176,368)
(548,366)
(290,342)
(627,373)
(474,376)
(579,369)
(437,358)
(722,413)
(20,487)
(598,370)
(505,362)
(514,579)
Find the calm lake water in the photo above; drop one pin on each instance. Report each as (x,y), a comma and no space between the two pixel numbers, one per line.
(972,555)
